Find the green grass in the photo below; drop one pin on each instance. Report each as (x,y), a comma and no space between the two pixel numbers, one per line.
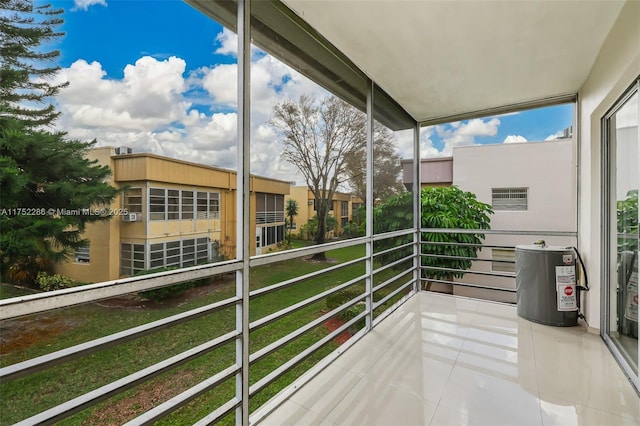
(27,396)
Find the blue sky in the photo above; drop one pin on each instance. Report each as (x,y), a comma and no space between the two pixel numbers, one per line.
(161,77)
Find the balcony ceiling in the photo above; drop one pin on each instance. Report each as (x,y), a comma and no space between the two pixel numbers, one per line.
(442,58)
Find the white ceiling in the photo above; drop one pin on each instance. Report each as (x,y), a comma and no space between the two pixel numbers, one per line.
(441,58)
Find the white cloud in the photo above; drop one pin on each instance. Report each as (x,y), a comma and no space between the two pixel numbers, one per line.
(556,135)
(156,107)
(514,139)
(464,134)
(85,4)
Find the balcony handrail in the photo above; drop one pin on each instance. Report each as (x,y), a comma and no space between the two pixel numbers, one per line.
(34,365)
(287,283)
(89,399)
(548,233)
(36,303)
(182,399)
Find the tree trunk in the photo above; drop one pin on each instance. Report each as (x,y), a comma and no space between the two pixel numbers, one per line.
(319,257)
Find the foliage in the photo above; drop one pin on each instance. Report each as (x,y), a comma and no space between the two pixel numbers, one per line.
(291,211)
(318,137)
(359,216)
(352,230)
(387,170)
(627,221)
(48,282)
(163,293)
(340,298)
(448,207)
(42,175)
(311,227)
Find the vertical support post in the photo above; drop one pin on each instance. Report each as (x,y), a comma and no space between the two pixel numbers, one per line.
(369,209)
(243,232)
(417,208)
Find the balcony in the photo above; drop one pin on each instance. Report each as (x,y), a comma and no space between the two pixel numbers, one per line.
(424,357)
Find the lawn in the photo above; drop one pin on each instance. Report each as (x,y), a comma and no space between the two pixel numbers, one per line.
(55,330)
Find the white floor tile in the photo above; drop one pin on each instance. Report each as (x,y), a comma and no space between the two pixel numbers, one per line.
(446,360)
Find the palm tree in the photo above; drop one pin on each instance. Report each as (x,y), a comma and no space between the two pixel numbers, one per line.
(291,211)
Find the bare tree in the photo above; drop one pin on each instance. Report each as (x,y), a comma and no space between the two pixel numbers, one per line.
(388,167)
(318,137)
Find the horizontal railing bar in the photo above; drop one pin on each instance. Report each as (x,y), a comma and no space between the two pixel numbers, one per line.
(406,245)
(470,271)
(446,243)
(287,283)
(480,286)
(269,258)
(392,279)
(184,398)
(267,350)
(40,363)
(219,413)
(499,232)
(394,263)
(292,308)
(89,399)
(41,302)
(475,259)
(284,368)
(393,234)
(393,293)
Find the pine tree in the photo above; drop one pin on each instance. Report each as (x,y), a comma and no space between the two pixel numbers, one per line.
(40,171)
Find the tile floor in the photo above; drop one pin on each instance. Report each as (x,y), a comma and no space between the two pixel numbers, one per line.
(445,360)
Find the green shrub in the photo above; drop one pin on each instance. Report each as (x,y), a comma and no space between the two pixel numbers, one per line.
(340,298)
(48,282)
(163,293)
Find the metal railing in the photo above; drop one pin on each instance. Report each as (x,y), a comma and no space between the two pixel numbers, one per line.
(395,275)
(392,284)
(481,268)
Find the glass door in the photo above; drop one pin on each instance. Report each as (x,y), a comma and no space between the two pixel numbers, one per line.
(622,176)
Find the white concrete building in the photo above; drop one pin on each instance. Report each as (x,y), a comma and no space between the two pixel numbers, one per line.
(531,187)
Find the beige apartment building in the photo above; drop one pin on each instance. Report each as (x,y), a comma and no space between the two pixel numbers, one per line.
(172,214)
(343,207)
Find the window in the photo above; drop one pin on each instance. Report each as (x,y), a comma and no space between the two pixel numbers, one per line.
(208,205)
(133,200)
(173,204)
(156,255)
(344,213)
(169,254)
(81,255)
(269,208)
(214,205)
(272,235)
(131,258)
(509,199)
(157,207)
(503,260)
(187,205)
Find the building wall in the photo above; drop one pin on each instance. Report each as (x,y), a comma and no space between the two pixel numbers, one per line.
(305,199)
(547,170)
(148,171)
(434,172)
(617,65)
(104,256)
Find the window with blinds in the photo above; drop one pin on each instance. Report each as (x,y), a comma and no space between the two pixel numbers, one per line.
(509,199)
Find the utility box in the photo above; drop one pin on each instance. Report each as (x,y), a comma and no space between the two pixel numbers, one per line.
(546,290)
